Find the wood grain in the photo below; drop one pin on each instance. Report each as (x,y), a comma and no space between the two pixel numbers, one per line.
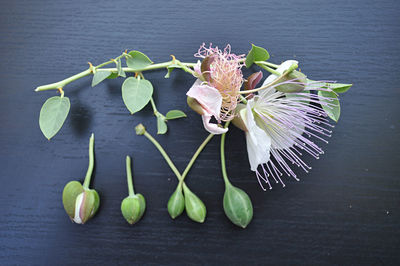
(345,211)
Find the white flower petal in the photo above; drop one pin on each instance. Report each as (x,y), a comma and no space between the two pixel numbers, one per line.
(258,142)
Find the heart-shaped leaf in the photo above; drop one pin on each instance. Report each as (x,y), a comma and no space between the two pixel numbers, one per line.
(136,93)
(256,54)
(175,114)
(99,76)
(53,114)
(137,60)
(161,125)
(333,109)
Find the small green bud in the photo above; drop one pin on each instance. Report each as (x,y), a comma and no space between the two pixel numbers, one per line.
(237,206)
(133,207)
(294,76)
(86,206)
(195,105)
(195,208)
(140,129)
(176,203)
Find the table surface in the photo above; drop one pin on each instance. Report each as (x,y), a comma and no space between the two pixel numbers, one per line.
(345,211)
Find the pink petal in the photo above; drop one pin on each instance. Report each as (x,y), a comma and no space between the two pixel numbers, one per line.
(209,98)
(212,128)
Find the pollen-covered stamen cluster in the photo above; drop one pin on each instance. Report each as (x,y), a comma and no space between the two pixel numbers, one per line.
(225,75)
(291,120)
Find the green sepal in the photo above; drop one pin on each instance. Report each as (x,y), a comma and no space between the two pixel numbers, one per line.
(96,202)
(88,205)
(237,206)
(295,76)
(338,87)
(170,68)
(195,208)
(70,193)
(256,54)
(133,207)
(176,203)
(333,111)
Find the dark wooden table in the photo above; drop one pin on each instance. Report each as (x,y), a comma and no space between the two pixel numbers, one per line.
(345,211)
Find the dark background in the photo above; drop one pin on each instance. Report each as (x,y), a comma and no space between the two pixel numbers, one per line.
(345,211)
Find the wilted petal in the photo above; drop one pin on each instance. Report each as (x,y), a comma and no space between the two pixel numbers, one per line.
(209,98)
(212,128)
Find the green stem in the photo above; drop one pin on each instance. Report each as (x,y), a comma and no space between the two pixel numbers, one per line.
(196,154)
(273,71)
(223,166)
(64,82)
(129,176)
(165,155)
(243,99)
(89,172)
(266,63)
(154,106)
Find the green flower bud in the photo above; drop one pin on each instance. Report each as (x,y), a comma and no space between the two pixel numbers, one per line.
(133,207)
(237,206)
(83,206)
(140,129)
(176,203)
(195,208)
(295,77)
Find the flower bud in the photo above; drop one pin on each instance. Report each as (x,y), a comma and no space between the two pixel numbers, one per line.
(176,203)
(195,208)
(133,207)
(195,105)
(86,206)
(237,206)
(140,129)
(299,81)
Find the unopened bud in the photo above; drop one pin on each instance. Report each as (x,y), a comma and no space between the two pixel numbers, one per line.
(237,206)
(176,203)
(296,82)
(140,129)
(133,207)
(80,204)
(195,208)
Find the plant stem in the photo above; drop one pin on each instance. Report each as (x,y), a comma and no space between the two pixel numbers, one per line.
(266,63)
(129,176)
(273,71)
(154,106)
(223,166)
(165,155)
(89,172)
(64,82)
(195,155)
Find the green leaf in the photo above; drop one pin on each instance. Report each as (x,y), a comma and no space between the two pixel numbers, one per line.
(113,75)
(170,68)
(338,87)
(175,114)
(161,124)
(99,76)
(333,110)
(121,72)
(256,54)
(137,60)
(136,93)
(53,114)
